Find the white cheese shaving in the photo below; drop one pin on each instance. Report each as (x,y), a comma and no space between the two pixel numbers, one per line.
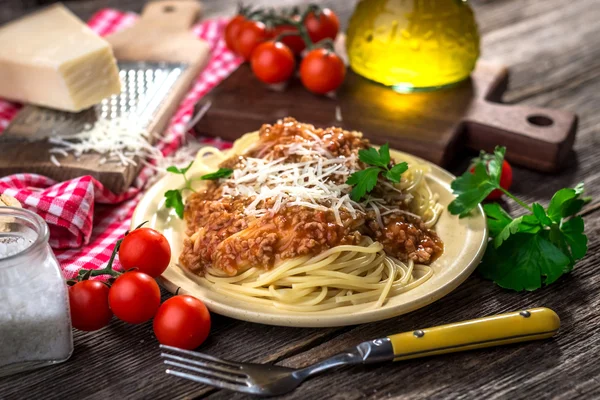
(398,211)
(338,114)
(118,140)
(53,160)
(314,180)
(309,183)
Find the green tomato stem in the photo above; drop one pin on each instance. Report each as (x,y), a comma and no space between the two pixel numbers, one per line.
(103,271)
(108,270)
(327,44)
(299,25)
(285,34)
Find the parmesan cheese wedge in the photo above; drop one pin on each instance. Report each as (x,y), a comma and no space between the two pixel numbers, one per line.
(51,58)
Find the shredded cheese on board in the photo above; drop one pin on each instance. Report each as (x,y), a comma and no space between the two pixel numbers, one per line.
(118,140)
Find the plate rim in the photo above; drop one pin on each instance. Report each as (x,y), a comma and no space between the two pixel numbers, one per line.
(322,320)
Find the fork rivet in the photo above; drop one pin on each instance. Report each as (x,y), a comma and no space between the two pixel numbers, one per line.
(419,333)
(525,314)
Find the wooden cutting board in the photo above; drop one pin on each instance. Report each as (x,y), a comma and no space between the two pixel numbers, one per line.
(162,33)
(434,125)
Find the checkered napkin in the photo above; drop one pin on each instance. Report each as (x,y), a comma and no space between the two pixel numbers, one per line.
(86,219)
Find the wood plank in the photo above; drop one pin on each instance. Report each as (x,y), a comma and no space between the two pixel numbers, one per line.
(434,126)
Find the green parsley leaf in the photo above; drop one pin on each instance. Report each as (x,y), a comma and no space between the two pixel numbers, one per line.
(471,189)
(494,167)
(220,173)
(180,171)
(534,249)
(510,229)
(502,225)
(574,206)
(529,224)
(540,214)
(174,200)
(364,181)
(372,157)
(397,170)
(557,238)
(497,218)
(572,231)
(524,262)
(566,202)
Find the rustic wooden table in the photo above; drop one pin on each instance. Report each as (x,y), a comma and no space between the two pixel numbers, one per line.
(553,50)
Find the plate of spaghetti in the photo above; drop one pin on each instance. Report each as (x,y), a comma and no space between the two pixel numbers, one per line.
(282,238)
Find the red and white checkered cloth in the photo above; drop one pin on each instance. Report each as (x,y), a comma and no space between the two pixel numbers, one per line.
(86,219)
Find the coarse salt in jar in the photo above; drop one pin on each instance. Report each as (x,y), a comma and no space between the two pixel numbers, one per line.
(35,324)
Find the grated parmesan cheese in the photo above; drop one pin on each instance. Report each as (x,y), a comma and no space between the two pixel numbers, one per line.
(118,140)
(310,183)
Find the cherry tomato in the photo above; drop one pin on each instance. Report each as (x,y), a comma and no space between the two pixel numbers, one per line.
(231,31)
(88,301)
(505,181)
(294,42)
(134,297)
(326,26)
(182,321)
(272,62)
(250,35)
(322,71)
(147,250)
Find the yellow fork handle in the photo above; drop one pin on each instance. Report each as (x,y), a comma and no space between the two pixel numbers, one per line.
(520,326)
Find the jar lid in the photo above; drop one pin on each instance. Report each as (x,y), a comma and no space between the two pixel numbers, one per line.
(12,221)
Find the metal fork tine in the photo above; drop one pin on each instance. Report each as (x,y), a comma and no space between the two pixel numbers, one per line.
(212,366)
(201,355)
(208,372)
(212,382)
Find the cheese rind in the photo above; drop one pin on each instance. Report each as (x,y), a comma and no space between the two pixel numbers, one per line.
(51,58)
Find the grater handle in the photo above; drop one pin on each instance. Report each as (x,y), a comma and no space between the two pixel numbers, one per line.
(171,15)
(162,34)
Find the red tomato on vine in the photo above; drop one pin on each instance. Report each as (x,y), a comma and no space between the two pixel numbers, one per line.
(272,62)
(322,71)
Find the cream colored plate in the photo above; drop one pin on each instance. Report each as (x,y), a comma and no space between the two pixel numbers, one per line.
(464,244)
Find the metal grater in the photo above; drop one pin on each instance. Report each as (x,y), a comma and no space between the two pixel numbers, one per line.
(145,86)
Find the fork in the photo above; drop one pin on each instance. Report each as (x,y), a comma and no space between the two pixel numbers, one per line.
(273,380)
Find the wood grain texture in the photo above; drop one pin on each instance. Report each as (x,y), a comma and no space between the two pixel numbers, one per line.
(161,34)
(553,52)
(435,126)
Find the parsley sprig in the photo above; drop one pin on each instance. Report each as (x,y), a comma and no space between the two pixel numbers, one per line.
(530,251)
(174,198)
(364,181)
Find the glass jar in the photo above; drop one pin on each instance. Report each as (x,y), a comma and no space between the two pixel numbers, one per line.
(35,324)
(413,45)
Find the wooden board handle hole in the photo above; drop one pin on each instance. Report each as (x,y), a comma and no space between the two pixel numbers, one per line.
(168,9)
(540,120)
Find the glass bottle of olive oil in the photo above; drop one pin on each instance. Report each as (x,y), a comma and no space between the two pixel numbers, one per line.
(413,45)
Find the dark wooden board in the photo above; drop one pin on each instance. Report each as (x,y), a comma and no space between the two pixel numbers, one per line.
(158,35)
(435,125)
(554,57)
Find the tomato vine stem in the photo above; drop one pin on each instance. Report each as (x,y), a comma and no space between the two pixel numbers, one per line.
(84,274)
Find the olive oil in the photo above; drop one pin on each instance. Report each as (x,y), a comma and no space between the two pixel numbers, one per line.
(413,45)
